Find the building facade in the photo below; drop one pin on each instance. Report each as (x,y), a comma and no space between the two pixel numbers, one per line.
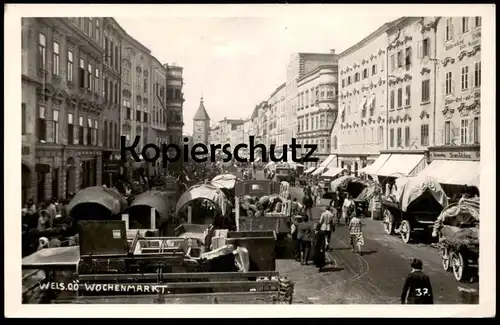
(175,103)
(299,65)
(276,113)
(317,109)
(231,131)
(359,132)
(214,135)
(201,125)
(62,105)
(158,107)
(454,154)
(458,113)
(136,91)
(111,92)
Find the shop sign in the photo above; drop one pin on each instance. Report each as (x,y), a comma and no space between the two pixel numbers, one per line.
(456,155)
(112,166)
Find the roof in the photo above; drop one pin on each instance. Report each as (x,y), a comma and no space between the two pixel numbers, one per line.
(382,29)
(201,114)
(233,121)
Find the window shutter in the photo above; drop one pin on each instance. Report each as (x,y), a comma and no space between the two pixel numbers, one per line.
(419,49)
(455,134)
(84,136)
(100,137)
(428,44)
(50,131)
(470,128)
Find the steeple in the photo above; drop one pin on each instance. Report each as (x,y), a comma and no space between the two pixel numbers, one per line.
(201,113)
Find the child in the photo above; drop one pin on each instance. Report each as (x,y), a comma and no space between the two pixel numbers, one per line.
(356,232)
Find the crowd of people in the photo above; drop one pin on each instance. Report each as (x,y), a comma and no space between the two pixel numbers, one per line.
(313,239)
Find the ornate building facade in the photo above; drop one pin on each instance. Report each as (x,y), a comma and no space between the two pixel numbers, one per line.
(359,132)
(63,105)
(317,109)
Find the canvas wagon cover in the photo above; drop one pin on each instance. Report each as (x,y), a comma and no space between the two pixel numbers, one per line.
(408,189)
(225,181)
(204,191)
(107,197)
(158,200)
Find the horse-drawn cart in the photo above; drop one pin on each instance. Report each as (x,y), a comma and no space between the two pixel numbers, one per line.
(413,208)
(458,230)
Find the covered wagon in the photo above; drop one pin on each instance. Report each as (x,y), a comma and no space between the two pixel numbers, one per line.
(457,228)
(413,208)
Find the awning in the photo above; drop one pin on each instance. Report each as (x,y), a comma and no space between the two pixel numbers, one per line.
(309,170)
(362,104)
(402,165)
(319,171)
(332,172)
(327,161)
(454,172)
(377,164)
(372,98)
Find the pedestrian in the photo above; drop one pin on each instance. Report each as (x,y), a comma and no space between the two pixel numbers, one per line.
(417,288)
(296,241)
(347,206)
(336,204)
(319,248)
(308,203)
(304,234)
(327,226)
(356,232)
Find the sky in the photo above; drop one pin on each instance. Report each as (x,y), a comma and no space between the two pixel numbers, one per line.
(235,63)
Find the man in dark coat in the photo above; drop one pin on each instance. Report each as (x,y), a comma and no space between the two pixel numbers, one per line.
(305,233)
(417,288)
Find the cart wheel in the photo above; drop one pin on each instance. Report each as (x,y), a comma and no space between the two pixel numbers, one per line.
(405,231)
(459,266)
(388,222)
(445,258)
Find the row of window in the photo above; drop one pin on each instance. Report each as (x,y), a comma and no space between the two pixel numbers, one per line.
(358,76)
(449,84)
(397,141)
(159,116)
(92,28)
(323,144)
(366,138)
(140,116)
(49,130)
(403,57)
(407,97)
(465,26)
(309,97)
(88,76)
(470,131)
(318,122)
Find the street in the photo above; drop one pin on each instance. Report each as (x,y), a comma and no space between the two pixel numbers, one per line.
(376,277)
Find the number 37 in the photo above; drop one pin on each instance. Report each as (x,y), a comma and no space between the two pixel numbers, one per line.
(422,292)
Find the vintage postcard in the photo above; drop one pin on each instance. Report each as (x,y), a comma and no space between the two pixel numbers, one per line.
(251,155)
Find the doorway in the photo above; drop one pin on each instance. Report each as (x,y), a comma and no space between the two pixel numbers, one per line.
(26,182)
(55,183)
(40,187)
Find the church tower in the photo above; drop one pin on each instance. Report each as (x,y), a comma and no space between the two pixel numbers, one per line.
(201,125)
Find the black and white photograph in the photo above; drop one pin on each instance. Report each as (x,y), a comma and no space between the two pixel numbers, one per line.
(250,155)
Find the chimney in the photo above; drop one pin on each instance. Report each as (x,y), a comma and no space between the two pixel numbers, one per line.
(332,51)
